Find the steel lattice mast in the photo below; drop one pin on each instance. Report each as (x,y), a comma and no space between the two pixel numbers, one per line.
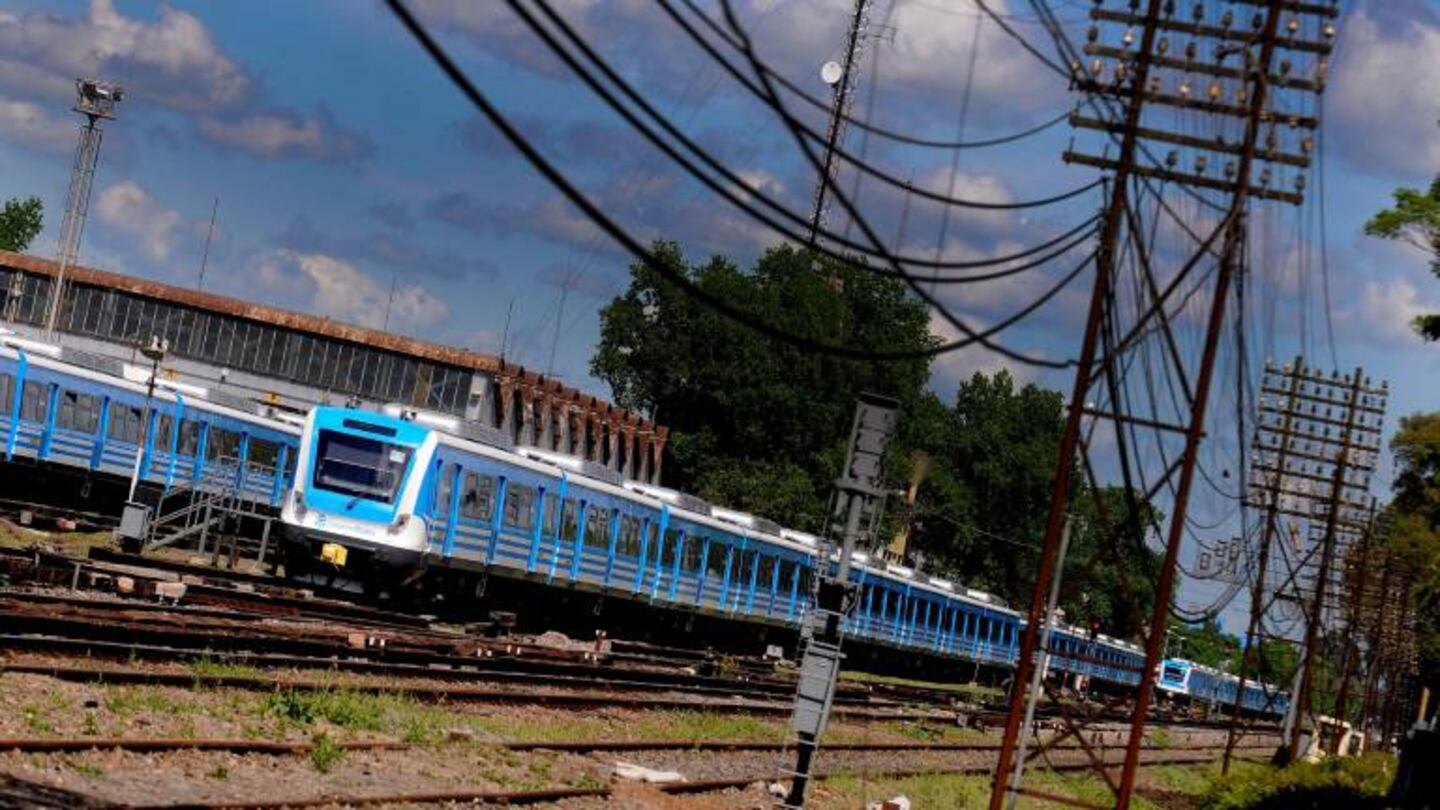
(1145,71)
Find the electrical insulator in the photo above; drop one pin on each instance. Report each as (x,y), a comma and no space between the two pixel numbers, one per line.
(1163,46)
(1227,19)
(1229,169)
(1200,164)
(1093,34)
(1097,68)
(1191,51)
(1272,142)
(1328,30)
(1169,8)
(1293,25)
(1172,158)
(1198,12)
(1214,91)
(1242,96)
(1156,85)
(1129,37)
(1185,88)
(1285,67)
(1257,21)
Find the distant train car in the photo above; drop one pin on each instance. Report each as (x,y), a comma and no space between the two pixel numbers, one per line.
(88,412)
(398,496)
(1193,684)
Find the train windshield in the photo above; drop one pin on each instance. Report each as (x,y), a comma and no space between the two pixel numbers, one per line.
(359,466)
(1173,673)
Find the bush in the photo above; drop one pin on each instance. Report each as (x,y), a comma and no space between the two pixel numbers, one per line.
(1349,782)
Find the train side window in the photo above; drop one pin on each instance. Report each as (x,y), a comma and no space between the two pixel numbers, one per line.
(716,564)
(570,521)
(33,401)
(78,412)
(629,543)
(442,489)
(477,496)
(125,424)
(162,431)
(264,455)
(597,527)
(224,445)
(767,568)
(787,571)
(519,507)
(672,541)
(7,392)
(189,437)
(552,510)
(694,550)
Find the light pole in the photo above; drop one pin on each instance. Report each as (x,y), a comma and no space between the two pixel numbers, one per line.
(155,353)
(134,520)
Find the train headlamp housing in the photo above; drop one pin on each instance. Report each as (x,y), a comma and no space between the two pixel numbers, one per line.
(297,502)
(398,524)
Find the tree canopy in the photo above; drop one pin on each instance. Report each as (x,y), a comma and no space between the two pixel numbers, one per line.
(762,426)
(1414,220)
(20,223)
(1415,529)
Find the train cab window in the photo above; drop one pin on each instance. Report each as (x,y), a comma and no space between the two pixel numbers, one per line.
(33,401)
(1173,673)
(359,466)
(78,412)
(597,527)
(477,496)
(519,507)
(124,424)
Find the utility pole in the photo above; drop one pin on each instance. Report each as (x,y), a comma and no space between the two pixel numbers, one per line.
(96,100)
(859,491)
(841,76)
(1133,86)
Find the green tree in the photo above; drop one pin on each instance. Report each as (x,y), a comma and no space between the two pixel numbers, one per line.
(20,223)
(1415,221)
(757,424)
(1415,529)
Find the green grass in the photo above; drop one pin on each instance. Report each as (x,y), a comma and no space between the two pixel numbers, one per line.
(348,709)
(1351,782)
(125,701)
(203,668)
(325,753)
(84,768)
(971,691)
(960,791)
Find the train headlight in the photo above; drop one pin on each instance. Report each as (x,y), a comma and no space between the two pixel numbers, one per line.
(297,502)
(399,524)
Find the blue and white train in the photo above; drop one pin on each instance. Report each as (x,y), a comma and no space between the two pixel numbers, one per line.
(401,494)
(89,413)
(1192,684)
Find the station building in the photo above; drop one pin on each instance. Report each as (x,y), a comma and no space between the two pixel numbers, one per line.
(277,360)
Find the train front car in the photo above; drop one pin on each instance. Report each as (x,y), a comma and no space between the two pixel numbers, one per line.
(351,517)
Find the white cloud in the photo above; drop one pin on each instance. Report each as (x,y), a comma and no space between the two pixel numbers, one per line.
(283,133)
(1388,307)
(33,126)
(130,208)
(952,368)
(341,290)
(1385,97)
(172,61)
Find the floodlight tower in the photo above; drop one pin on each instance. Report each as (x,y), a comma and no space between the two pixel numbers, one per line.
(96,100)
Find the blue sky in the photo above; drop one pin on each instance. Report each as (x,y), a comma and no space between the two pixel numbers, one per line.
(344,164)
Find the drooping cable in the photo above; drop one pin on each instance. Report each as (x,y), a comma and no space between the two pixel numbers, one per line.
(481,102)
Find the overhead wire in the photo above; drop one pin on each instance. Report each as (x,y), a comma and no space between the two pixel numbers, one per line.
(729,192)
(532,155)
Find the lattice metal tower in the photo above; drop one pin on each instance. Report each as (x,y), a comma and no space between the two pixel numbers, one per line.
(96,100)
(844,81)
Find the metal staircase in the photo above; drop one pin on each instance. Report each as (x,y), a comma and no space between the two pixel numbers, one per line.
(211,508)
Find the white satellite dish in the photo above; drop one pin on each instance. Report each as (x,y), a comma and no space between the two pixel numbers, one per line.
(830,72)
